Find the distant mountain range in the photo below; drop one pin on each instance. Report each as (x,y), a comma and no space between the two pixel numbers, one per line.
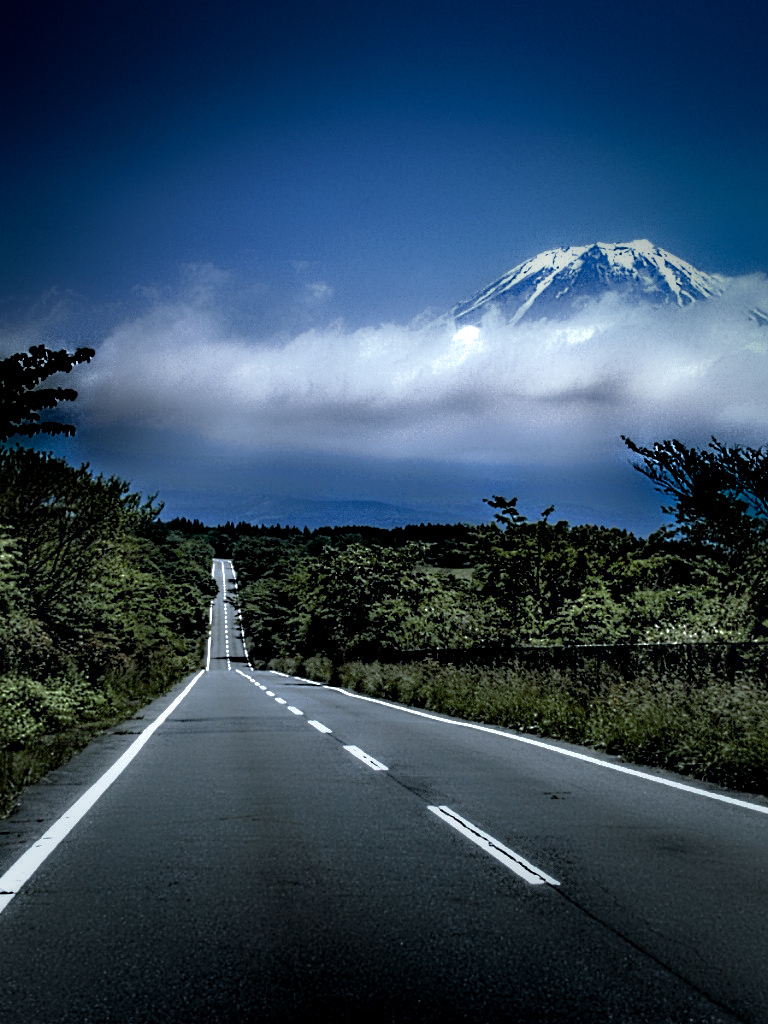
(556,283)
(315,513)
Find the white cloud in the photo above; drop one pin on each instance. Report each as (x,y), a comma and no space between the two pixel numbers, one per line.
(535,392)
(318,291)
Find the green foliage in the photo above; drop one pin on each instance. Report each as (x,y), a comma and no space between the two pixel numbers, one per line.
(359,597)
(22,710)
(29,707)
(529,702)
(88,578)
(353,606)
(313,597)
(101,605)
(318,668)
(336,593)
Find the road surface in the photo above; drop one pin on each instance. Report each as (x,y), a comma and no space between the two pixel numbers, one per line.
(275,850)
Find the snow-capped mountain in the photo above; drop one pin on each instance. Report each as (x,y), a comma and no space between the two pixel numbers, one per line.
(555,283)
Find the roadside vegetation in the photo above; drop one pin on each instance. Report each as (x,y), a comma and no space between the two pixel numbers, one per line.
(531,624)
(102,606)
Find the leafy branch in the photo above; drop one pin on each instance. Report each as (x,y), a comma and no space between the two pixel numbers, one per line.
(22,400)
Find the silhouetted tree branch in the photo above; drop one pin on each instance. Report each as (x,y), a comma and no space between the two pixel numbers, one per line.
(509,515)
(720,493)
(21,400)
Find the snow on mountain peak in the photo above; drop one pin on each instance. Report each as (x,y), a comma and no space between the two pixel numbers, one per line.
(554,283)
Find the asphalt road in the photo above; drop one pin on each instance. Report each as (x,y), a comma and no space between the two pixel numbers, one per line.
(280,851)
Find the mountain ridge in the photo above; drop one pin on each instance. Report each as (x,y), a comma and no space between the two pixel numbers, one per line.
(557,282)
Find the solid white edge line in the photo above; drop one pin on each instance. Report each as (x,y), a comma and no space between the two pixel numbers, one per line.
(301,679)
(22,869)
(518,738)
(521,867)
(239,619)
(377,766)
(318,725)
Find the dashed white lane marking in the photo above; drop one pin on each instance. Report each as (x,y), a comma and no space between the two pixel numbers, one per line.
(521,867)
(22,870)
(527,871)
(210,621)
(226,624)
(377,766)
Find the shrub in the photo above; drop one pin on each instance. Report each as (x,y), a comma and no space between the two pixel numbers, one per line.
(289,665)
(29,708)
(319,668)
(22,710)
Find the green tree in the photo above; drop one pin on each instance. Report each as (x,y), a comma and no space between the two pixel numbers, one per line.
(100,579)
(64,521)
(354,598)
(720,505)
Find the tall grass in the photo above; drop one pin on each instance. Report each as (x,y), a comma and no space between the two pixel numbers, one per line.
(706,725)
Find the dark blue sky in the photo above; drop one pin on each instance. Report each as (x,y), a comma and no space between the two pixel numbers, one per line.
(359,163)
(408,151)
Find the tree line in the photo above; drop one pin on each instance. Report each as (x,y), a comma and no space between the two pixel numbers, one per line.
(345,593)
